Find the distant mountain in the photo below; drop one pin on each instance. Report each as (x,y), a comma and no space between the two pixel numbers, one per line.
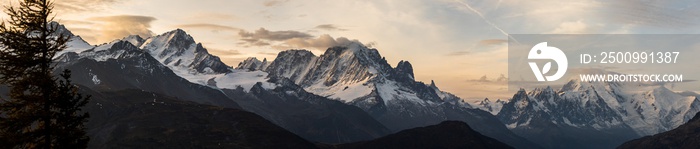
(446,135)
(595,115)
(686,136)
(360,76)
(492,107)
(138,119)
(253,64)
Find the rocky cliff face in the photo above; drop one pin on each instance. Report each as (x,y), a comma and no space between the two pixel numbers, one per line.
(592,115)
(178,50)
(360,76)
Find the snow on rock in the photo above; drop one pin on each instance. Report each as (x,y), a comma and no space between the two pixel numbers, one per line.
(178,50)
(487,105)
(95,79)
(74,44)
(646,109)
(253,63)
(358,75)
(244,79)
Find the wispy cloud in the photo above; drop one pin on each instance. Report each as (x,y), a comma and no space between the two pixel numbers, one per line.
(264,34)
(207,26)
(329,27)
(577,27)
(321,43)
(76,6)
(478,13)
(115,27)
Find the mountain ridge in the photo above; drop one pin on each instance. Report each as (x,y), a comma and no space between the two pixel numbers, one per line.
(580,113)
(408,103)
(686,136)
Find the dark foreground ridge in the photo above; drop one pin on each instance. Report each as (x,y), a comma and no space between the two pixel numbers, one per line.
(138,119)
(686,136)
(446,135)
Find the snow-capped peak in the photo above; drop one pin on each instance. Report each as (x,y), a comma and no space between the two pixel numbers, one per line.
(356,74)
(74,44)
(645,108)
(178,50)
(253,63)
(487,105)
(136,40)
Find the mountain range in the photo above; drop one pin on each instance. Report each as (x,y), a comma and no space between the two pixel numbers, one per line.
(593,114)
(349,94)
(157,90)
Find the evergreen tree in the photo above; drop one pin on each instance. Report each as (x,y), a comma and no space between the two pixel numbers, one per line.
(41,110)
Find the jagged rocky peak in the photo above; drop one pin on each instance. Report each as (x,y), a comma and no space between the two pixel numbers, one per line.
(432,85)
(252,63)
(123,45)
(136,40)
(521,98)
(349,63)
(114,50)
(486,100)
(292,64)
(489,106)
(177,49)
(404,69)
(364,55)
(174,41)
(60,29)
(74,44)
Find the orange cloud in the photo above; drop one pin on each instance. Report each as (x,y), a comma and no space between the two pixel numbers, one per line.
(115,27)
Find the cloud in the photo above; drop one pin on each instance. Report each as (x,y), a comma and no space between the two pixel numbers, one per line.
(86,33)
(577,27)
(264,34)
(323,42)
(253,43)
(329,27)
(75,22)
(73,6)
(115,27)
(484,79)
(264,37)
(206,26)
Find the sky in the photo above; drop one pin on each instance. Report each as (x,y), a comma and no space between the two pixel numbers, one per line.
(460,44)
